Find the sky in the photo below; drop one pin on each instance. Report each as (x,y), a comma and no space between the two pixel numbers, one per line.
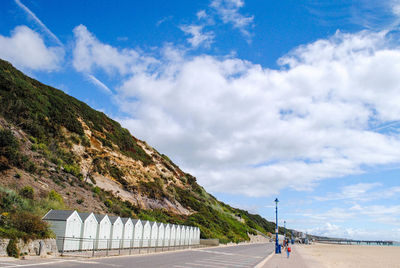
(257,99)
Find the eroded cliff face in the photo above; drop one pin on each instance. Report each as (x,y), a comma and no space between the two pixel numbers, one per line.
(129,179)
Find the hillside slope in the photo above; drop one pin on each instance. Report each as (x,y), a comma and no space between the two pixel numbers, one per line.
(73,156)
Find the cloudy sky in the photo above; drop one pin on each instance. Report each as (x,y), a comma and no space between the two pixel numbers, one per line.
(257,99)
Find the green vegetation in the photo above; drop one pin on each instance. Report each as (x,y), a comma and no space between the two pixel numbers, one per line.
(43,111)
(22,213)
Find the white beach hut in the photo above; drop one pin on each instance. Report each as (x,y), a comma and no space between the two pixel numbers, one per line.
(117,229)
(67,226)
(187,235)
(183,235)
(89,230)
(154,233)
(178,233)
(167,235)
(161,234)
(172,235)
(198,236)
(128,233)
(137,232)
(103,231)
(191,235)
(146,234)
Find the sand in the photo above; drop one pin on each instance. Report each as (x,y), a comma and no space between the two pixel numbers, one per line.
(331,255)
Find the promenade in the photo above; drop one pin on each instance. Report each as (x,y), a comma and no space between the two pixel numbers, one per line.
(296,260)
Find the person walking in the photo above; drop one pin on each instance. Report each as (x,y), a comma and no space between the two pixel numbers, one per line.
(288,250)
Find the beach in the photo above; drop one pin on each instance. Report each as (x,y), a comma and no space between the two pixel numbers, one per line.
(333,255)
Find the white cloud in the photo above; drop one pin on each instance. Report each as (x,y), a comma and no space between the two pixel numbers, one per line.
(35,56)
(90,54)
(201,14)
(361,192)
(198,36)
(244,129)
(38,21)
(98,83)
(228,10)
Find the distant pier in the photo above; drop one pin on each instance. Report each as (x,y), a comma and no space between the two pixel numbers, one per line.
(355,242)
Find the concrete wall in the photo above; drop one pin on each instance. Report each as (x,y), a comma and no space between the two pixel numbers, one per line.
(32,248)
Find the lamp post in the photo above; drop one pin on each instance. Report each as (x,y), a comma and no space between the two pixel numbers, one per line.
(276,230)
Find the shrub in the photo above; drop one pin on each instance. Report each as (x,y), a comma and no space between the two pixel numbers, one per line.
(53,195)
(108,203)
(12,249)
(79,201)
(27,192)
(30,224)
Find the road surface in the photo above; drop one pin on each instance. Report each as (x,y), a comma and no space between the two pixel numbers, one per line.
(240,256)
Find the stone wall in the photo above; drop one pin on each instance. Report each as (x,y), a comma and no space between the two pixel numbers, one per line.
(32,248)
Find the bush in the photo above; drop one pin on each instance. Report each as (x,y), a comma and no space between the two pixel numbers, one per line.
(30,224)
(9,148)
(108,203)
(12,249)
(27,192)
(53,195)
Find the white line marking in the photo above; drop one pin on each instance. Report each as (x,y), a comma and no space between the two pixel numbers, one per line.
(5,263)
(36,264)
(229,264)
(204,265)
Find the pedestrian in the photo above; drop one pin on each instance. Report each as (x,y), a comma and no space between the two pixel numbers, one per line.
(288,250)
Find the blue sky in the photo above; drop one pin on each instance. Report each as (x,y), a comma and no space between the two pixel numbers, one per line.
(257,99)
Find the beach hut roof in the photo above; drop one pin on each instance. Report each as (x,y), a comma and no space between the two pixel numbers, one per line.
(58,215)
(99,217)
(84,215)
(124,220)
(113,219)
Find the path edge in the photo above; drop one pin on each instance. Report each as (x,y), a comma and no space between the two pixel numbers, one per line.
(264,261)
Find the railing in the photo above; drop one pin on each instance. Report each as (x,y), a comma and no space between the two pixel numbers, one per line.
(87,247)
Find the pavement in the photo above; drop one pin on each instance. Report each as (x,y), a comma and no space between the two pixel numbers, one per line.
(238,256)
(281,260)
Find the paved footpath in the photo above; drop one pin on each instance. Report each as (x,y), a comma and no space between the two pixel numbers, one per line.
(281,260)
(240,256)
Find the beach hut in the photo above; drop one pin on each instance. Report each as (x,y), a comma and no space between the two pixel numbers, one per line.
(128,233)
(198,236)
(183,235)
(167,235)
(154,233)
(146,234)
(89,230)
(137,232)
(161,234)
(67,226)
(172,235)
(187,235)
(117,229)
(178,232)
(191,235)
(103,231)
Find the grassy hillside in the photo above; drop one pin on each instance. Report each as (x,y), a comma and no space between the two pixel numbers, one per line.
(75,157)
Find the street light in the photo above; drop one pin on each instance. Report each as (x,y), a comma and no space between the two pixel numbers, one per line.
(277,251)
